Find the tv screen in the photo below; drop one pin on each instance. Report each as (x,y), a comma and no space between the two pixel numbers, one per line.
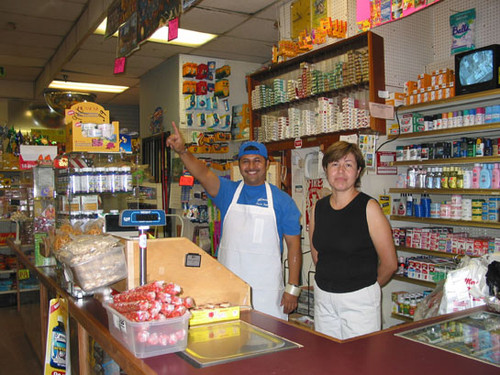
(476,68)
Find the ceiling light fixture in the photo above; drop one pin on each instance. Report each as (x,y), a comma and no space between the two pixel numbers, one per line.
(82,86)
(186,38)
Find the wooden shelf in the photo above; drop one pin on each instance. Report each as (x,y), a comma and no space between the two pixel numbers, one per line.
(429,252)
(493,192)
(459,223)
(460,131)
(448,161)
(484,97)
(428,284)
(13,291)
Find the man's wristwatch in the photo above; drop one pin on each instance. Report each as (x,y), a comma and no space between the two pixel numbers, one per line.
(294,290)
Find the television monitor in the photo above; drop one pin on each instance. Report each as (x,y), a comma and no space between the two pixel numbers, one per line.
(477,70)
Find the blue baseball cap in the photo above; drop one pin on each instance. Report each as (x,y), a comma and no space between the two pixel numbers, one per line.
(252,148)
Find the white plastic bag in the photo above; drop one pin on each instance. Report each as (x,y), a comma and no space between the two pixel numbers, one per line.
(465,287)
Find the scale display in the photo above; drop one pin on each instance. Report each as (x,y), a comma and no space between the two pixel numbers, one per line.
(475,336)
(141,218)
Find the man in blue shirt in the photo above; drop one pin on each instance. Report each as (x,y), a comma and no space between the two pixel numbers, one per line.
(255,217)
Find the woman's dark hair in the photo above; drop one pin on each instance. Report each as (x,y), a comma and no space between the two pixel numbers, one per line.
(340,149)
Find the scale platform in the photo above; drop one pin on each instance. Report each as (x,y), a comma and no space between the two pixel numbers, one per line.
(217,343)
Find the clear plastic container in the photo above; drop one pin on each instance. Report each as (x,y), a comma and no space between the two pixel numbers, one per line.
(100,270)
(149,339)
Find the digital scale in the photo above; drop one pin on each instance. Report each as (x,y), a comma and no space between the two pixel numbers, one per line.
(142,220)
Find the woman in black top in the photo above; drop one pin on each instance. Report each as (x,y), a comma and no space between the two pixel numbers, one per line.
(352,248)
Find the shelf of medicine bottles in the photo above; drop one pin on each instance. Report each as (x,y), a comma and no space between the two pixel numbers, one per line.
(428,284)
(459,223)
(445,191)
(448,161)
(402,317)
(489,97)
(468,131)
(429,252)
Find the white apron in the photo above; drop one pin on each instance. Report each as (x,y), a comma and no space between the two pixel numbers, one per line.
(250,248)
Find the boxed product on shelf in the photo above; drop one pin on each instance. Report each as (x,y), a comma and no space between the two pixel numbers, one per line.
(152,338)
(214,314)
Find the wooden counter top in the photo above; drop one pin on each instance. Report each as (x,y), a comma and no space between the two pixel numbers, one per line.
(378,353)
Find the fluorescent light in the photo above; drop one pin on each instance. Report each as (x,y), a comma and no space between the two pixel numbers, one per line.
(82,86)
(187,38)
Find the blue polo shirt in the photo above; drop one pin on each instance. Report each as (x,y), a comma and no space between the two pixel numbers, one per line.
(285,209)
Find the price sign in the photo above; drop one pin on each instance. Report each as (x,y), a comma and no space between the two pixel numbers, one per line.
(23,274)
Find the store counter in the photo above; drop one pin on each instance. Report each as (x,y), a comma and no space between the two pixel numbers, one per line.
(379,353)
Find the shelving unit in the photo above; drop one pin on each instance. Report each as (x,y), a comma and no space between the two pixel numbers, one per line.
(376,81)
(16,289)
(428,284)
(491,130)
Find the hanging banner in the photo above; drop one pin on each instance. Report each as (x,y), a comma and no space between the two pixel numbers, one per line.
(57,346)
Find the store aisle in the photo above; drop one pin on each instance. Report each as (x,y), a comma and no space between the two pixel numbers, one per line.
(16,355)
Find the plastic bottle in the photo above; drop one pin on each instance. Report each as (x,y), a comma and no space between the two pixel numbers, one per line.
(411,177)
(437,178)
(467,178)
(460,178)
(100,184)
(476,172)
(58,345)
(74,181)
(485,177)
(402,205)
(112,180)
(425,201)
(495,177)
(127,179)
(422,172)
(409,205)
(452,178)
(444,178)
(85,180)
(429,179)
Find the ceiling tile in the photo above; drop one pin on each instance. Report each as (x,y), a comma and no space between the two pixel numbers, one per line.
(231,55)
(249,7)
(238,46)
(270,13)
(257,29)
(56,10)
(37,25)
(210,21)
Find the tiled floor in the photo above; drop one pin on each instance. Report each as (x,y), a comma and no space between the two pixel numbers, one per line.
(16,355)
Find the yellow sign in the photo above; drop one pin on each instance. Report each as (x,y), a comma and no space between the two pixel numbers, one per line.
(23,274)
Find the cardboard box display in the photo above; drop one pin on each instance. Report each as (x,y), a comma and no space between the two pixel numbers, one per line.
(88,129)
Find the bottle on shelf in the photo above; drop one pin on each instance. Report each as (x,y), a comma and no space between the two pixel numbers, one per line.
(452,178)
(476,172)
(421,177)
(444,178)
(411,177)
(429,179)
(495,177)
(437,177)
(485,177)
(409,205)
(460,178)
